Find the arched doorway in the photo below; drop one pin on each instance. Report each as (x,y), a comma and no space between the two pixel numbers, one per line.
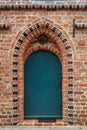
(60,44)
(42,86)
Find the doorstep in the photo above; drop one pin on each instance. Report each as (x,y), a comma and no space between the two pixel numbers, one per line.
(44,128)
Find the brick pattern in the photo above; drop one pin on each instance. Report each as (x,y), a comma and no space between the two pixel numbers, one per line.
(4,26)
(49,5)
(60,46)
(81,25)
(55,6)
(20,41)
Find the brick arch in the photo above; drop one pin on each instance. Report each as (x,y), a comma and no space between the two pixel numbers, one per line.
(49,48)
(62,45)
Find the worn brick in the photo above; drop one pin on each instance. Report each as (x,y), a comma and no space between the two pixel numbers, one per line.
(20,40)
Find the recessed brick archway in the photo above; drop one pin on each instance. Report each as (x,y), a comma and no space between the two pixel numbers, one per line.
(24,45)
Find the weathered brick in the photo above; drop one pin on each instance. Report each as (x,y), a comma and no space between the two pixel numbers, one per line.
(21,40)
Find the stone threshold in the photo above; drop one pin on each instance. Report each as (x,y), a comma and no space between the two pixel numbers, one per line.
(45,128)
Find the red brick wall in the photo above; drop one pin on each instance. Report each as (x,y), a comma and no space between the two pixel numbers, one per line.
(74,83)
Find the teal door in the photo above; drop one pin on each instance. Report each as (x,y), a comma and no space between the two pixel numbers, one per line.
(42,86)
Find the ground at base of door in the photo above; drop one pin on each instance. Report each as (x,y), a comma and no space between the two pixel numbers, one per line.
(41,128)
